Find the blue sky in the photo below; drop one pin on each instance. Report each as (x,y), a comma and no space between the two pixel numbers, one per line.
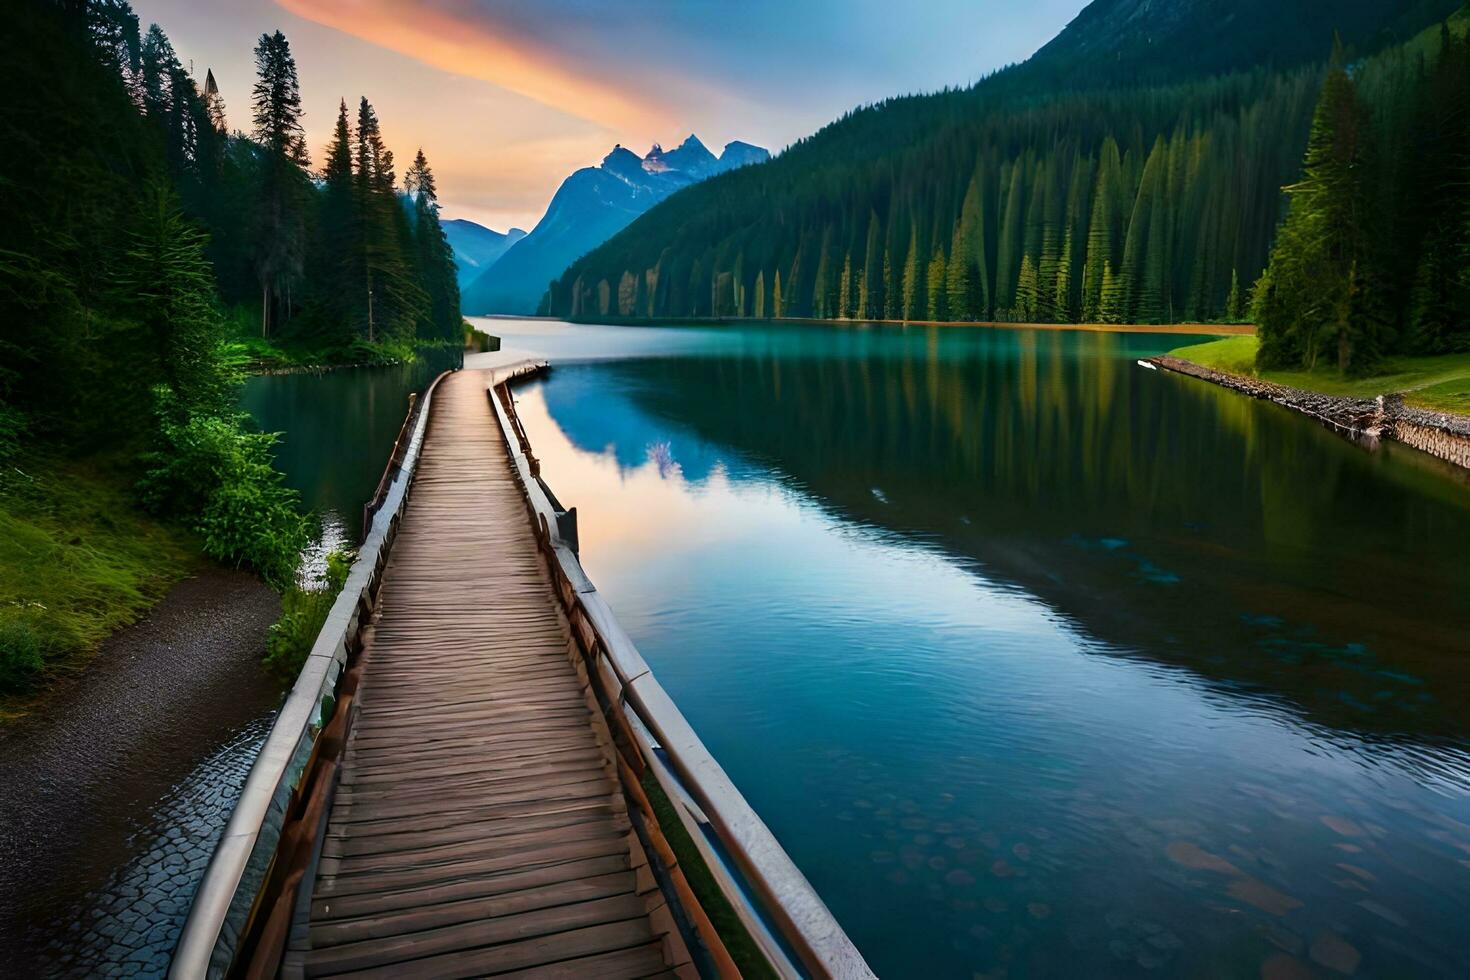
(508,96)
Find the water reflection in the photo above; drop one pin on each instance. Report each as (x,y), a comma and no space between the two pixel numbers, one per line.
(1038,662)
(338,428)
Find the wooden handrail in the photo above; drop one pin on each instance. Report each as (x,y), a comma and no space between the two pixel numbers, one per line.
(394,464)
(237,904)
(795,930)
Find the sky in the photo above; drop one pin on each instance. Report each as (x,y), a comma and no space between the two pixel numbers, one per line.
(508,97)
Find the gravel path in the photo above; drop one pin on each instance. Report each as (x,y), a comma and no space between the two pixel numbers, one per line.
(84,778)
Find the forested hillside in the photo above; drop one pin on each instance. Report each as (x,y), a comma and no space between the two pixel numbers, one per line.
(141,237)
(1037,195)
(1374,257)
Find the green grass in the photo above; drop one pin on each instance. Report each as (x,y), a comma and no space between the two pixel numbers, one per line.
(303,612)
(1437,383)
(738,943)
(265,355)
(78,560)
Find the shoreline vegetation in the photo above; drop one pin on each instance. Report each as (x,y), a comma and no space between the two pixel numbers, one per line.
(1422,402)
(78,562)
(163,238)
(1437,383)
(1186,329)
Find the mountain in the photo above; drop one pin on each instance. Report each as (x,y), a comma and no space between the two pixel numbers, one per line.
(476,248)
(590,207)
(1130,171)
(1134,41)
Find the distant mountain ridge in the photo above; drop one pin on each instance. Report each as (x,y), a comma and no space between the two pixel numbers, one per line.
(1130,171)
(476,248)
(590,207)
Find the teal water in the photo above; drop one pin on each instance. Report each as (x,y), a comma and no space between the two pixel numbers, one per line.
(1038,663)
(337,429)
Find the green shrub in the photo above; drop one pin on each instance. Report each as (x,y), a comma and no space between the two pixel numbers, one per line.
(303,611)
(212,472)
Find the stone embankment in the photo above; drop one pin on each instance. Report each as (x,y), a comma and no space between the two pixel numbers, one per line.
(1364,419)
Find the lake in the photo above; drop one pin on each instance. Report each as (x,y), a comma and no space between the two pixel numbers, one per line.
(337,429)
(1037,662)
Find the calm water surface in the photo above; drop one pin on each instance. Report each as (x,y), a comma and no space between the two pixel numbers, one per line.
(337,429)
(1037,662)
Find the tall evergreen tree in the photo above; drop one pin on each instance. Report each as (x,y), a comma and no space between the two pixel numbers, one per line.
(1101,228)
(1316,297)
(934,286)
(434,259)
(280,216)
(870,306)
(912,287)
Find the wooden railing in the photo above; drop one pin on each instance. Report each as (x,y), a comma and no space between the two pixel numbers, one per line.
(243,907)
(783,914)
(394,465)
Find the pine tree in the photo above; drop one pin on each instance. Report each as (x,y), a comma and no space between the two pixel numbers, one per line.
(394,301)
(969,243)
(434,260)
(1234,303)
(339,264)
(1062,300)
(214,104)
(959,285)
(911,284)
(844,294)
(1317,296)
(777,306)
(825,288)
(1101,229)
(280,228)
(1141,291)
(1028,292)
(760,295)
(870,305)
(934,286)
(1011,240)
(891,294)
(1110,297)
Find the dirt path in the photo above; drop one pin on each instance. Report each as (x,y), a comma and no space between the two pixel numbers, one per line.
(81,775)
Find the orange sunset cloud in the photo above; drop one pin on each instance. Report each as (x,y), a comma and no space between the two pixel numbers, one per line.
(476,49)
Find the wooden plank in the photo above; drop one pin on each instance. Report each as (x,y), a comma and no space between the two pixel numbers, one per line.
(639,961)
(424,917)
(458,853)
(540,951)
(475,933)
(381,903)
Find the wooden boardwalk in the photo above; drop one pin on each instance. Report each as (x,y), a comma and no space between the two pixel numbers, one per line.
(478,827)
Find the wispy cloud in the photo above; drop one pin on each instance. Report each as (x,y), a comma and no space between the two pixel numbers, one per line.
(488,44)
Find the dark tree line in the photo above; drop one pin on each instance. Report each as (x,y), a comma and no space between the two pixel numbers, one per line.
(137,227)
(1148,205)
(1374,256)
(1028,199)
(331,256)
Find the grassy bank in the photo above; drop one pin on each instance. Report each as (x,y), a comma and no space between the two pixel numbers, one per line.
(264,355)
(1440,384)
(1188,329)
(78,560)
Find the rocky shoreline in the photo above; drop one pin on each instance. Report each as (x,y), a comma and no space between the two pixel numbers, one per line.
(1368,420)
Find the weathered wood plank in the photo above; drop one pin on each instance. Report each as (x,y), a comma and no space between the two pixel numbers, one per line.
(540,951)
(450,913)
(475,933)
